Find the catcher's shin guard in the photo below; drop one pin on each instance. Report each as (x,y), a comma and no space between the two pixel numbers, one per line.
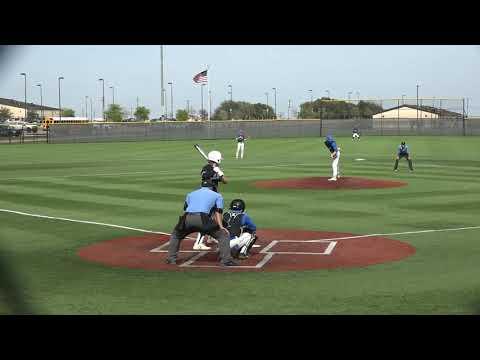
(246,248)
(396,165)
(410,164)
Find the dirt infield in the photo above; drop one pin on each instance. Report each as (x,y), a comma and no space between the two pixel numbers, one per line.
(279,250)
(343,183)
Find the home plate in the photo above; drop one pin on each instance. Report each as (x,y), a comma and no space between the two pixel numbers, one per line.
(359,159)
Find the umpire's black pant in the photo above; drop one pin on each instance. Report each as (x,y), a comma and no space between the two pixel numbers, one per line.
(199,222)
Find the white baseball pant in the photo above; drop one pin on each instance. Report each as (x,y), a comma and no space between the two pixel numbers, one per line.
(335,165)
(240,148)
(239,242)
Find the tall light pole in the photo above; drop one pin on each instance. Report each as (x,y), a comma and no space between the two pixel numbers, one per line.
(403,99)
(171,99)
(103,98)
(188,106)
(417,100)
(266,94)
(60,97)
(231,100)
(289,104)
(328,93)
(358,95)
(275,94)
(165,105)
(86,106)
(113,94)
(91,109)
(209,104)
(201,95)
(25,76)
(311,96)
(349,93)
(41,100)
(163,100)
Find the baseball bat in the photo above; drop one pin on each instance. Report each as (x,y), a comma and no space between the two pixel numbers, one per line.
(199,149)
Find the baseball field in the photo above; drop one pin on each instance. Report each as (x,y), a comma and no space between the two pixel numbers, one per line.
(56,200)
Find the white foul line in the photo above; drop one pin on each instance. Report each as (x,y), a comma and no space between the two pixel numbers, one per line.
(398,233)
(83,222)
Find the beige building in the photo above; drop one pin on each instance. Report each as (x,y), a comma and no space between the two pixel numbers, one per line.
(17,109)
(412,112)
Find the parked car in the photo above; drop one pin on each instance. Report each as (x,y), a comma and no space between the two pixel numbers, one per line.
(9,131)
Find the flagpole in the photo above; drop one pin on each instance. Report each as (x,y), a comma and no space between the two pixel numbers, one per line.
(208,89)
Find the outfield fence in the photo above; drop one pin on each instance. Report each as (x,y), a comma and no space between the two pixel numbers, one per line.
(172,130)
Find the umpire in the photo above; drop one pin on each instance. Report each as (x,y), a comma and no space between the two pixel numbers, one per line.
(199,206)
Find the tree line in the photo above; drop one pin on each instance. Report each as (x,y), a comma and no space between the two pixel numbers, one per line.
(324,108)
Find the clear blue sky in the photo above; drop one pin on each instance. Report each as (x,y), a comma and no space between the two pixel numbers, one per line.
(374,71)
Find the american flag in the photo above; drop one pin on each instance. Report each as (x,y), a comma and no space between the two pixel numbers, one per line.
(201,77)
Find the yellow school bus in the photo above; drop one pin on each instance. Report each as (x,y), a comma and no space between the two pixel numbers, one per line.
(48,120)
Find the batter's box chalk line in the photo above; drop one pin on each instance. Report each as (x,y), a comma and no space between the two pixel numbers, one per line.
(266,250)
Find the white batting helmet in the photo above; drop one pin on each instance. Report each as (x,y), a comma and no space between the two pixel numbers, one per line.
(215,156)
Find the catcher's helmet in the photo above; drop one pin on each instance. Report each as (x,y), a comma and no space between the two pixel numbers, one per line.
(403,143)
(237,205)
(215,156)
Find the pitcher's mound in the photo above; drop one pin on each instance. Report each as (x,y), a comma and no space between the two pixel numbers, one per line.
(354,183)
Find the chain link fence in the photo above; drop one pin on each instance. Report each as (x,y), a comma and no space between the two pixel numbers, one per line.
(260,129)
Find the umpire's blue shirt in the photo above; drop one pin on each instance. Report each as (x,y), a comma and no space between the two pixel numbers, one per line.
(203,200)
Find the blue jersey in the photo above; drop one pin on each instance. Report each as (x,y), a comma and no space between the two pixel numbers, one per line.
(331,144)
(403,150)
(203,200)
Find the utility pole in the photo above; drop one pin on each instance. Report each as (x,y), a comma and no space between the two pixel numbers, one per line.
(163,102)
(266,94)
(60,98)
(103,98)
(417,101)
(275,94)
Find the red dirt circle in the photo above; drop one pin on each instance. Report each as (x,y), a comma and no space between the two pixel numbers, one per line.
(343,183)
(279,250)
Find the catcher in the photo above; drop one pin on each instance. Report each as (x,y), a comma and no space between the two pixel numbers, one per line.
(241,228)
(210,172)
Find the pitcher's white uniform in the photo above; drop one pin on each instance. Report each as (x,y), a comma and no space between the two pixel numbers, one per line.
(240,144)
(335,155)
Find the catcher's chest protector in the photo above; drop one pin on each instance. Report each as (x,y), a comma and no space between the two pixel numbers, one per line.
(232,221)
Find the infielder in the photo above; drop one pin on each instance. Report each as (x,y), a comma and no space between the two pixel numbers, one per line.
(240,143)
(213,173)
(355,134)
(241,228)
(335,155)
(403,153)
(199,207)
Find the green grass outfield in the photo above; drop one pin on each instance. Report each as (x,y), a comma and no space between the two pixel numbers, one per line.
(143,185)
